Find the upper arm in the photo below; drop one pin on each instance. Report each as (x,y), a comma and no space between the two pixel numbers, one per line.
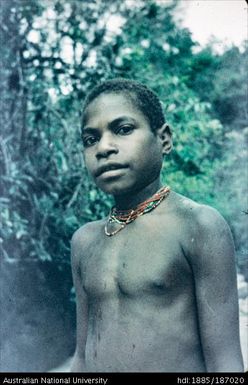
(81,299)
(213,264)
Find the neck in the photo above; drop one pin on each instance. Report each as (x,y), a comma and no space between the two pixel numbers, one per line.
(133,198)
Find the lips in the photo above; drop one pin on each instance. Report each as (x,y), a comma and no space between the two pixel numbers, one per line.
(109,167)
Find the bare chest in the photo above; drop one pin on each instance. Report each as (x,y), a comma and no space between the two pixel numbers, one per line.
(141,259)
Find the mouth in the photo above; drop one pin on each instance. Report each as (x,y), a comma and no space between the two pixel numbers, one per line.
(110,168)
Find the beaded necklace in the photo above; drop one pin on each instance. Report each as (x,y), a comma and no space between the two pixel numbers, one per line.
(124,217)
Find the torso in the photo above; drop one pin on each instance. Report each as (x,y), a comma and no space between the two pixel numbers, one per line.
(140,288)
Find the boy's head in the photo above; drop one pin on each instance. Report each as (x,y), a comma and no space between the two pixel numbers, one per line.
(124,135)
(141,96)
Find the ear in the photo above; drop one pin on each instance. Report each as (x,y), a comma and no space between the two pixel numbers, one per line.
(165,136)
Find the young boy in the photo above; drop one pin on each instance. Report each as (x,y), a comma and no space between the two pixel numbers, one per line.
(156,280)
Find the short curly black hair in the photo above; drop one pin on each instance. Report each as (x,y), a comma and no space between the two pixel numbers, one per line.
(142,97)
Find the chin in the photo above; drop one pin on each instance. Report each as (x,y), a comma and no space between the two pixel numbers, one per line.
(116,188)
(121,188)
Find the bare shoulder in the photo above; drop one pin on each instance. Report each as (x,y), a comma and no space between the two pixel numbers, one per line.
(198,216)
(206,236)
(86,232)
(84,238)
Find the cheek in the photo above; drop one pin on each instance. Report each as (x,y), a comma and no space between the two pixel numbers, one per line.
(149,154)
(147,163)
(88,161)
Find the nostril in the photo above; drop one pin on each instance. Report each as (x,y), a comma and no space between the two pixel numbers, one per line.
(105,153)
(105,148)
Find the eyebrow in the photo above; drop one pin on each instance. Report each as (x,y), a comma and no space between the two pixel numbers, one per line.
(111,125)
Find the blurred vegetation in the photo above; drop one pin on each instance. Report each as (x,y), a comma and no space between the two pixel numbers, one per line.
(53,52)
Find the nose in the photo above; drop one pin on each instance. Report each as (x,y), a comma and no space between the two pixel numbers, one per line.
(106,146)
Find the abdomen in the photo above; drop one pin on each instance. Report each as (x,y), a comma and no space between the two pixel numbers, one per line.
(143,335)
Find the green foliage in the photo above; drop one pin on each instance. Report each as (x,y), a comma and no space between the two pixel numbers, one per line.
(62,50)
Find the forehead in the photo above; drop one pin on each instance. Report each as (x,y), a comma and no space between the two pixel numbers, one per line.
(108,107)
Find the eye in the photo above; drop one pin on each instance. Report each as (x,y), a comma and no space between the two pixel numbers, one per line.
(125,130)
(89,141)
